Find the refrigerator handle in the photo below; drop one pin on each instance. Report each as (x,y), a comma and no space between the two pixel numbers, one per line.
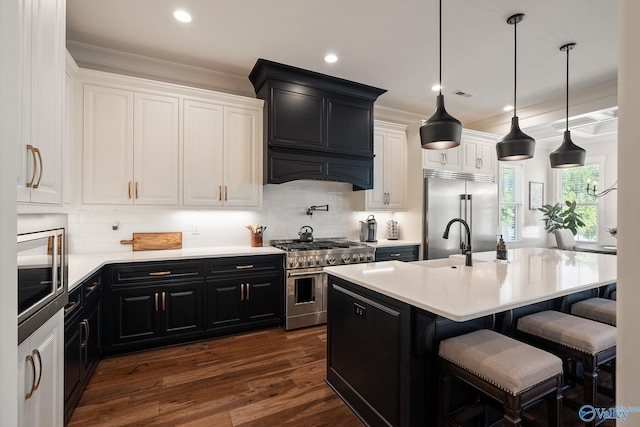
(463,215)
(469,219)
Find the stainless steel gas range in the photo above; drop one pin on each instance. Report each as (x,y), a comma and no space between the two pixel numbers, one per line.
(306,282)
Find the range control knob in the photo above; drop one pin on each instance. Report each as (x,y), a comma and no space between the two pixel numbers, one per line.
(318,260)
(310,261)
(331,260)
(346,258)
(369,257)
(293,262)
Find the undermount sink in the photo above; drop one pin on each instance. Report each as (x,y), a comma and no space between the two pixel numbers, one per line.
(452,261)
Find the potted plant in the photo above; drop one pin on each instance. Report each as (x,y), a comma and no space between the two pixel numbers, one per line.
(556,218)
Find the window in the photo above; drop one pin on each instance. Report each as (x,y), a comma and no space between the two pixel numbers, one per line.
(511,210)
(573,184)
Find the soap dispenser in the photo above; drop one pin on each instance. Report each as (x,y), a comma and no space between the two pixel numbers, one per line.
(501,250)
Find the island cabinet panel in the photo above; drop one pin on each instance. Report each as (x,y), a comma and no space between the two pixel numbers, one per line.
(369,353)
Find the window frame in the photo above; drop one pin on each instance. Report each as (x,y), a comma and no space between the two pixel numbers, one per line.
(520,206)
(589,160)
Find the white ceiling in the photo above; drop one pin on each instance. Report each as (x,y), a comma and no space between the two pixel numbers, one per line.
(391,44)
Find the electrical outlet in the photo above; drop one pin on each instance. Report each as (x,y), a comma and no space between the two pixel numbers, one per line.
(195,229)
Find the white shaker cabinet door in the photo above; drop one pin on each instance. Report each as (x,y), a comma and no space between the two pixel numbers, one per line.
(155,150)
(396,169)
(41,379)
(108,145)
(242,157)
(43,55)
(376,197)
(203,154)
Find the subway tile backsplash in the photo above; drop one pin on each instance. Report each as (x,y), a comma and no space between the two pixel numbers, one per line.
(283,213)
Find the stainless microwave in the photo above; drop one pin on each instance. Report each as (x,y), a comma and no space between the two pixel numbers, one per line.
(42,270)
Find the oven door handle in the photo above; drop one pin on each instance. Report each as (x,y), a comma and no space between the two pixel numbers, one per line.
(308,273)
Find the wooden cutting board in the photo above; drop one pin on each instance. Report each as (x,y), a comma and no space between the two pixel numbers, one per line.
(154,241)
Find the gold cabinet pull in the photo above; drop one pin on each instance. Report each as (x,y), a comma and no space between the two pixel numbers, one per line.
(92,287)
(156,294)
(33,377)
(242,292)
(85,326)
(159,273)
(33,175)
(72,306)
(164,301)
(225,193)
(129,190)
(136,189)
(244,267)
(219,193)
(36,352)
(37,151)
(248,291)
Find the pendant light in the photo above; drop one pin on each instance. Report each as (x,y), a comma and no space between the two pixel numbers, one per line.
(441,130)
(568,155)
(516,145)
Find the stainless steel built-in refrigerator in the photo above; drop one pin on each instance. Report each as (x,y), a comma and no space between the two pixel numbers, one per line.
(469,196)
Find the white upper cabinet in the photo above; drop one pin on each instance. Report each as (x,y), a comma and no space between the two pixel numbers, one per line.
(153,143)
(131,147)
(222,155)
(480,152)
(448,159)
(43,60)
(389,168)
(476,153)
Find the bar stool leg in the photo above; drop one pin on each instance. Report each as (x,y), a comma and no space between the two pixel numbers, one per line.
(590,384)
(443,397)
(554,405)
(512,410)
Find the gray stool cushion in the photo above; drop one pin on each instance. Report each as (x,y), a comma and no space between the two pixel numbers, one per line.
(575,332)
(598,309)
(511,365)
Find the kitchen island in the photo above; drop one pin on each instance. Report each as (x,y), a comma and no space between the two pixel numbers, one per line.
(385,320)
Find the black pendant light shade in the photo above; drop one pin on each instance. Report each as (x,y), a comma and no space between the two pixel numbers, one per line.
(568,155)
(516,145)
(441,130)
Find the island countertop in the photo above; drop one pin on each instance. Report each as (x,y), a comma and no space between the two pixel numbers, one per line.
(463,293)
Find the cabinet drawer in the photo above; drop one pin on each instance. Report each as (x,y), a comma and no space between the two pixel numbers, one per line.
(397,253)
(91,288)
(155,272)
(244,265)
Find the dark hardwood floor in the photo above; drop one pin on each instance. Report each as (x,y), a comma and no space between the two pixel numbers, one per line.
(267,378)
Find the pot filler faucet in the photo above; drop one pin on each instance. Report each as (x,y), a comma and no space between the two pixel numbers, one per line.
(466,250)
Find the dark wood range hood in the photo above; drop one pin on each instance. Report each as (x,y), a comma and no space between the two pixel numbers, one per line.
(316,126)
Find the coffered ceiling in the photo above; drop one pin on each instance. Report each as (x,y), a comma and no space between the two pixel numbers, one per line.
(391,44)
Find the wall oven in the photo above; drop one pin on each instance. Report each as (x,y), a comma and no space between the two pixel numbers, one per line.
(42,270)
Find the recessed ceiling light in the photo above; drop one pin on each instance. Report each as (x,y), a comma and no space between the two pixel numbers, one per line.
(331,58)
(182,16)
(508,108)
(436,87)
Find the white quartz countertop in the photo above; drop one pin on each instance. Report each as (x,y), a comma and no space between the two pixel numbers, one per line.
(81,266)
(462,293)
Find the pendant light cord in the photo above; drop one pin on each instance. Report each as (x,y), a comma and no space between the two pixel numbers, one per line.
(515,65)
(567,115)
(440,48)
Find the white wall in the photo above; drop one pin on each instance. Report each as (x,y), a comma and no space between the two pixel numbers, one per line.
(9,135)
(628,343)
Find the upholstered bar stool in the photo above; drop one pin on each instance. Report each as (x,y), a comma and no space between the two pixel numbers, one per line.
(571,337)
(508,371)
(599,309)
